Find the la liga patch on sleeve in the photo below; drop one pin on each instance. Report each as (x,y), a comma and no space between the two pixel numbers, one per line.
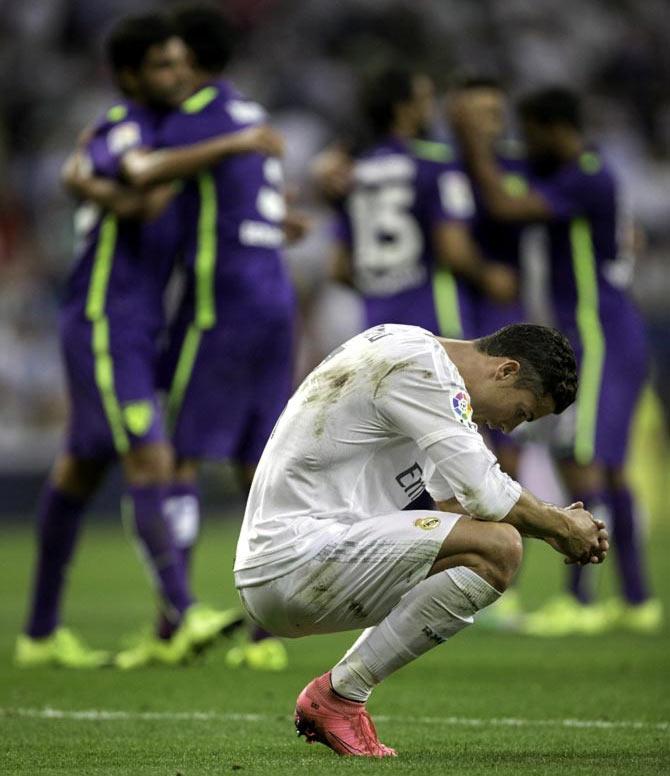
(462,409)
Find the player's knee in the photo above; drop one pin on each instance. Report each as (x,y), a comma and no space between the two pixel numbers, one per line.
(76,477)
(149,465)
(503,555)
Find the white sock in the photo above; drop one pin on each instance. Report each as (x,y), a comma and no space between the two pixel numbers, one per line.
(436,609)
(182,514)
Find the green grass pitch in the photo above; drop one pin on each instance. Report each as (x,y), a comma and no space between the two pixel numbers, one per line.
(485,703)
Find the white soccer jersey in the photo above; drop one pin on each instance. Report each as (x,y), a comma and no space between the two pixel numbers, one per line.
(386,414)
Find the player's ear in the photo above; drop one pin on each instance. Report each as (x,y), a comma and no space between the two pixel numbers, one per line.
(508,369)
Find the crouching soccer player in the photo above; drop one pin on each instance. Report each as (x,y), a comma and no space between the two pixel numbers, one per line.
(325,544)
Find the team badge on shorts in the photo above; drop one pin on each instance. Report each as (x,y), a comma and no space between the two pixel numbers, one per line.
(427,523)
(462,409)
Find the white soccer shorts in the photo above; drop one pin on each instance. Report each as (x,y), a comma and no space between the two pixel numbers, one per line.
(356,579)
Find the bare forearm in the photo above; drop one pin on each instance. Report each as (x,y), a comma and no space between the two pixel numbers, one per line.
(532,517)
(457,252)
(488,176)
(167,165)
(145,169)
(123,201)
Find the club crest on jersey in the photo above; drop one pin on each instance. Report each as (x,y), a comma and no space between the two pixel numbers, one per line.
(462,409)
(124,136)
(427,523)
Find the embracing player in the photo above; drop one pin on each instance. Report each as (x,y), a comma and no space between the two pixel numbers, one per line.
(111,319)
(224,391)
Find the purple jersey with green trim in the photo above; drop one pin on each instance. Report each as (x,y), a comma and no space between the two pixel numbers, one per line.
(402,192)
(232,213)
(587,264)
(121,268)
(113,308)
(228,361)
(591,305)
(499,241)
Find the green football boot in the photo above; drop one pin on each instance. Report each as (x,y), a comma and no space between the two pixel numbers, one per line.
(646,618)
(566,616)
(200,627)
(266,655)
(61,648)
(506,614)
(148,650)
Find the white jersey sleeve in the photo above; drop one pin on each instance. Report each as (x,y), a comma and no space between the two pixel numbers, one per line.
(426,400)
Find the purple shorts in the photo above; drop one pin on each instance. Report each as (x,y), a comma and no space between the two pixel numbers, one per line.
(227,385)
(111,382)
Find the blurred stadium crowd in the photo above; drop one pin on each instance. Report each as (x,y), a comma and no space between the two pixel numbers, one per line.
(303,60)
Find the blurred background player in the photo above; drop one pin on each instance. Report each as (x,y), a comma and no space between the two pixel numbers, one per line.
(224,392)
(110,378)
(112,318)
(576,194)
(403,237)
(161,245)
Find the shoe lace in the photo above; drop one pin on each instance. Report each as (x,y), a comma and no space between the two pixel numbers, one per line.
(367,733)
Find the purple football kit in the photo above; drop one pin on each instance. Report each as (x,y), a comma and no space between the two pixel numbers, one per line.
(112,312)
(498,241)
(588,272)
(111,317)
(402,192)
(592,308)
(228,363)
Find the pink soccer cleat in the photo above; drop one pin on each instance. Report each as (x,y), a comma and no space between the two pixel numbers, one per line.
(345,726)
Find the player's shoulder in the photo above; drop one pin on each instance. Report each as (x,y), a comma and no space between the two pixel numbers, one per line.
(125,125)
(223,99)
(589,176)
(413,355)
(592,168)
(402,341)
(118,113)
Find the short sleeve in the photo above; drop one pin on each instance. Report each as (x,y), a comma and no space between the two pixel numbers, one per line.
(207,114)
(108,147)
(425,401)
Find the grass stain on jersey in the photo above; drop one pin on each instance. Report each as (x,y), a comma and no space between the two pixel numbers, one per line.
(324,389)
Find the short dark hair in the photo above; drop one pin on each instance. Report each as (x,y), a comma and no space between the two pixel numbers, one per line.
(131,38)
(208,32)
(553,105)
(548,365)
(381,93)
